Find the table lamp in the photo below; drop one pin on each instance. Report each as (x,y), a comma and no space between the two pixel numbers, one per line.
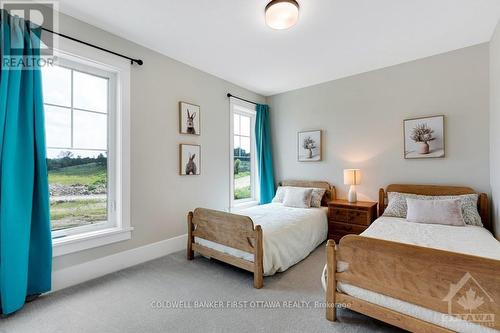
(352,177)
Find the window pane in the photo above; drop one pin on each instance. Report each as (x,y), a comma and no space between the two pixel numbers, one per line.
(90,130)
(78,187)
(236,128)
(242,168)
(245,144)
(56,85)
(90,92)
(76,147)
(58,126)
(245,125)
(242,187)
(236,145)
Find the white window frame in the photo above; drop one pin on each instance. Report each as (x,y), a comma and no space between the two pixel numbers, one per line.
(110,151)
(117,228)
(248,110)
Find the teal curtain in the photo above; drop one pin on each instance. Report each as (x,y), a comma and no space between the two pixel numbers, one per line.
(25,236)
(264,154)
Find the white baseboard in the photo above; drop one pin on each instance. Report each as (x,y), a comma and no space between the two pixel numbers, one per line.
(74,275)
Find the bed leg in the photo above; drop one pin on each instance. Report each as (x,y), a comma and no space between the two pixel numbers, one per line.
(258,272)
(331,284)
(190,240)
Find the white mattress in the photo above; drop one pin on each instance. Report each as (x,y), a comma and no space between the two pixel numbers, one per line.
(289,234)
(469,240)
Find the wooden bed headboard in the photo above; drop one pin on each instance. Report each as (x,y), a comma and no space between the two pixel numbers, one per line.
(482,203)
(330,193)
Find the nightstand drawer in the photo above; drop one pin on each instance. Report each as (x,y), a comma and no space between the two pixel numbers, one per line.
(345,228)
(339,214)
(349,216)
(358,217)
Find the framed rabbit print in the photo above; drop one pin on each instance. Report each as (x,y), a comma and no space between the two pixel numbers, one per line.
(189,160)
(189,118)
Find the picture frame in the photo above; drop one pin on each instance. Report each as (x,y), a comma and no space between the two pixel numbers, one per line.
(309,146)
(189,159)
(424,137)
(189,118)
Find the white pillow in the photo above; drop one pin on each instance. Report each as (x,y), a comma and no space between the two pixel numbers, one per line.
(316,198)
(446,211)
(280,194)
(299,197)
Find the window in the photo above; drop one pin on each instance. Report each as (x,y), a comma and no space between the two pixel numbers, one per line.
(77,114)
(86,125)
(242,160)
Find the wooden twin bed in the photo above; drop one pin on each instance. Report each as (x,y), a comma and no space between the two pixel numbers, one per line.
(415,275)
(418,275)
(238,232)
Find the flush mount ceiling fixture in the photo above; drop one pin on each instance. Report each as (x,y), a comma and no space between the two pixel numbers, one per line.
(282,14)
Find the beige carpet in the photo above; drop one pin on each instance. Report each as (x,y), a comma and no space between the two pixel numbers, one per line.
(171,294)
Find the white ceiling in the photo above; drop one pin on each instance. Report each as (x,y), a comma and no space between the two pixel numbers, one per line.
(333,38)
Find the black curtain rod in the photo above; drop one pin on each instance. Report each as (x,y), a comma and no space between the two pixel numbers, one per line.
(132,60)
(241,99)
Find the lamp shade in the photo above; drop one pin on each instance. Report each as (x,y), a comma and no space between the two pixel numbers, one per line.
(352,176)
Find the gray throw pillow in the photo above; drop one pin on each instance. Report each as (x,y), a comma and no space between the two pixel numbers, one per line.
(317,196)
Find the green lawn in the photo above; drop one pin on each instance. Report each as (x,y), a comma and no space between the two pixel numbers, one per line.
(242,193)
(73,213)
(78,210)
(85,174)
(242,174)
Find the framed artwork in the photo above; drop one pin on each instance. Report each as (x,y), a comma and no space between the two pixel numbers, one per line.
(424,137)
(309,146)
(189,118)
(189,160)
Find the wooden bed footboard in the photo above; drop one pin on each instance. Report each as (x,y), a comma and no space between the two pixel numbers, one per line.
(457,285)
(231,230)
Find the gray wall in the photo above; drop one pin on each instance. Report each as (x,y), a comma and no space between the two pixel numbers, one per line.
(494,127)
(160,198)
(362,120)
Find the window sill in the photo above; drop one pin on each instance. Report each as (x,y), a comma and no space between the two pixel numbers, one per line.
(237,206)
(88,240)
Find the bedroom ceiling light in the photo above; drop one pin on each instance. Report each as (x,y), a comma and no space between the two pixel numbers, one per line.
(282,14)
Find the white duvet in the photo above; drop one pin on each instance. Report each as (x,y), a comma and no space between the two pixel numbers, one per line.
(468,240)
(289,235)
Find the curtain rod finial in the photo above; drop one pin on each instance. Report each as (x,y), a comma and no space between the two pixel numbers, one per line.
(229,95)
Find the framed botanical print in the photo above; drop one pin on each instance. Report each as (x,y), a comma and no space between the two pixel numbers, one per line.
(309,146)
(189,118)
(424,137)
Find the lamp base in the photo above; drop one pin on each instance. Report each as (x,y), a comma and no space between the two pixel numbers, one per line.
(352,197)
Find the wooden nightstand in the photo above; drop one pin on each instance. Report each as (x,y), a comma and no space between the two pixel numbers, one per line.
(346,218)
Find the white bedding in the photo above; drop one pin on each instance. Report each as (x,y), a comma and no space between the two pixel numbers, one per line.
(471,240)
(289,234)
